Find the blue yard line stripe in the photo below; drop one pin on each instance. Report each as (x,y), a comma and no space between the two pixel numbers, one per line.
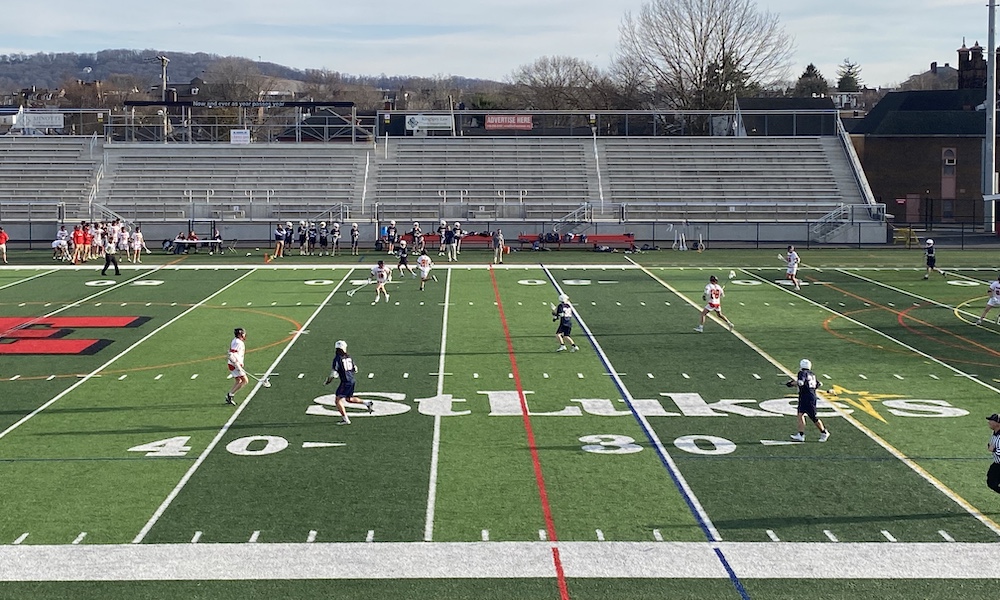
(694,505)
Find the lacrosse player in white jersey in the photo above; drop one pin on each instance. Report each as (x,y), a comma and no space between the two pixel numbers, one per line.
(382,275)
(713,295)
(992,302)
(792,265)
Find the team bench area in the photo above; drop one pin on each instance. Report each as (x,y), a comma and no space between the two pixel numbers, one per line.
(623,241)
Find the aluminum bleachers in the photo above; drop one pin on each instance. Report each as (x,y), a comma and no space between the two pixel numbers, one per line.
(723,170)
(420,170)
(228,181)
(46,169)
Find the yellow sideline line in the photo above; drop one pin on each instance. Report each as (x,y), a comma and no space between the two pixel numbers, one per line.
(965,504)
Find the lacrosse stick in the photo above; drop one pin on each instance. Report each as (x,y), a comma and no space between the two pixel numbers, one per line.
(781,256)
(266,382)
(355,290)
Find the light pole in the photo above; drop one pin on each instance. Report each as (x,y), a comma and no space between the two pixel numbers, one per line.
(163,91)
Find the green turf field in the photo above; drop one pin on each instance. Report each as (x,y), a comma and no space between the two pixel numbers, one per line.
(655,462)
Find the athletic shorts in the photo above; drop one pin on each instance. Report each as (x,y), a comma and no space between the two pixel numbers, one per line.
(425,272)
(791,270)
(564,329)
(931,262)
(807,408)
(715,307)
(402,261)
(345,390)
(993,301)
(236,371)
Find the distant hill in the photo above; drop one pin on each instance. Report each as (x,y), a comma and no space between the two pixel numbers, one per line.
(52,70)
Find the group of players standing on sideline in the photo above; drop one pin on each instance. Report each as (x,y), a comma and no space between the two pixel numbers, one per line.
(312,240)
(90,241)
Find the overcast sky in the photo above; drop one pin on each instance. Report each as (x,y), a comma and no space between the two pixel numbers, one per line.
(889,39)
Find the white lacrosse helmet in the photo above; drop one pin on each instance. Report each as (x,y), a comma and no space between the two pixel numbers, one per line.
(288,224)
(303,223)
(930,242)
(443,222)
(322,223)
(457,224)
(354,225)
(563,298)
(340,345)
(336,225)
(805,363)
(402,243)
(392,222)
(415,224)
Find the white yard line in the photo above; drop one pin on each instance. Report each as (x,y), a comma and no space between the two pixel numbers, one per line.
(819,560)
(225,428)
(436,440)
(88,376)
(698,509)
(20,281)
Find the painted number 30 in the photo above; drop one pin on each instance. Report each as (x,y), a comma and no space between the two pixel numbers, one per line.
(610,444)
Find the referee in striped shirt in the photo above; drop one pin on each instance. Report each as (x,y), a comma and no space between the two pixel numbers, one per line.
(993,475)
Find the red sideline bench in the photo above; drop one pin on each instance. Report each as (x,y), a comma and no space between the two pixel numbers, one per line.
(625,241)
(431,240)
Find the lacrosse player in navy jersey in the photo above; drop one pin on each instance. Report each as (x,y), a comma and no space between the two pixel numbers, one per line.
(564,314)
(355,237)
(403,254)
(324,239)
(807,383)
(335,234)
(344,369)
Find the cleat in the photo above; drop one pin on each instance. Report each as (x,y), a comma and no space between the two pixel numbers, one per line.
(377,298)
(343,422)
(732,326)
(799,437)
(229,400)
(699,329)
(925,276)
(560,348)
(824,436)
(979,321)
(575,348)
(387,297)
(371,407)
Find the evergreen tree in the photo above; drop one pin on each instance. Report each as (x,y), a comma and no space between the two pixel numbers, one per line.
(811,83)
(848,76)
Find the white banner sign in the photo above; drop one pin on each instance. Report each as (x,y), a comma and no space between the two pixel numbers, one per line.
(42,121)
(428,122)
(239,136)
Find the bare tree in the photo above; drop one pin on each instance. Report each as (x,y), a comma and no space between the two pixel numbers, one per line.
(559,83)
(698,54)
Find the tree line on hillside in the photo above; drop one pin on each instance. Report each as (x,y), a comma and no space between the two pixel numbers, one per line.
(672,54)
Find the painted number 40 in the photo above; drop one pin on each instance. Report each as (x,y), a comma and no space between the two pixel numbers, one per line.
(254,445)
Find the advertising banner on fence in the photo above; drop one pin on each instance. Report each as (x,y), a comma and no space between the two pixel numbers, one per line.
(428,122)
(509,122)
(42,121)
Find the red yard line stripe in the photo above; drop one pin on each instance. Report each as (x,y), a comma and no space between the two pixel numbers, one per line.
(550,526)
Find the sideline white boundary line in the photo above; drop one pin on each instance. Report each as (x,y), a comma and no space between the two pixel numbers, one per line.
(706,521)
(90,375)
(232,419)
(436,442)
(916,468)
(493,560)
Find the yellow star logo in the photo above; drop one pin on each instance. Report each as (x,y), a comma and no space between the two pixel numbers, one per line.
(861,400)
